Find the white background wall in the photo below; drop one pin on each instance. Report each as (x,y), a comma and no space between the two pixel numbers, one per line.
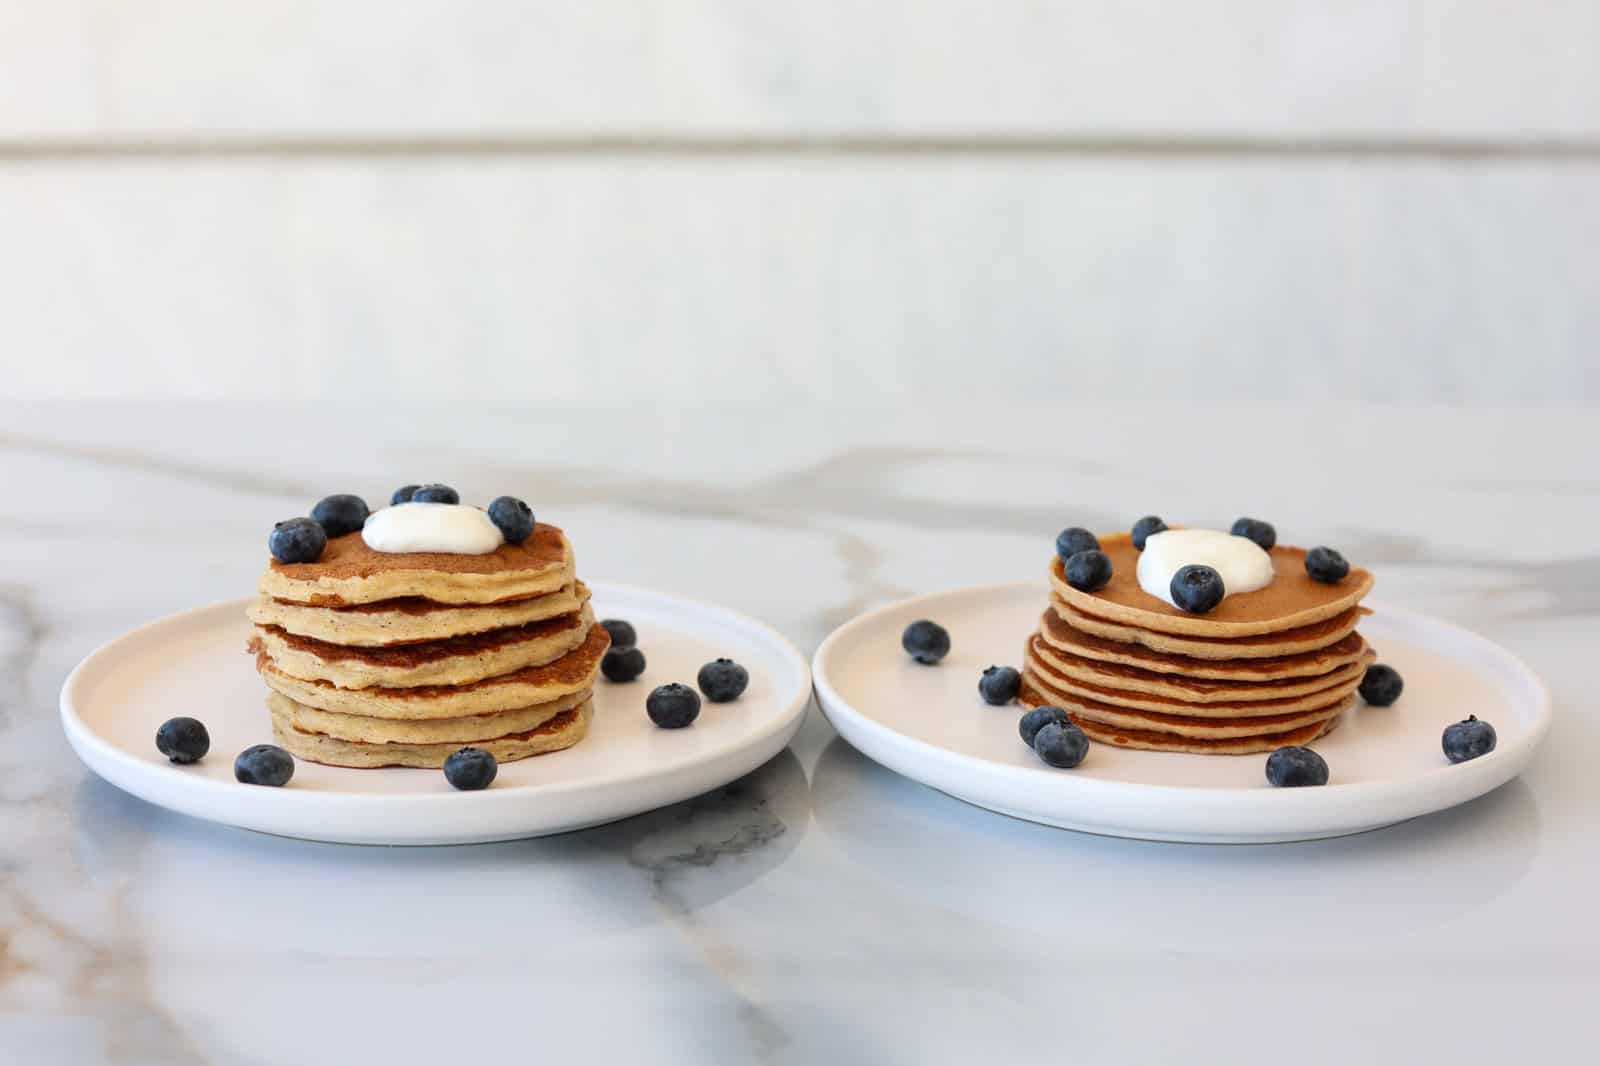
(713,201)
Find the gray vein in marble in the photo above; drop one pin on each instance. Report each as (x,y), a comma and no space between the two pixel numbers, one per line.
(857,483)
(130,459)
(737,823)
(757,828)
(22,630)
(45,962)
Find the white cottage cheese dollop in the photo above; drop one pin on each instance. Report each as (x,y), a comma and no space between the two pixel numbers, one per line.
(1241,562)
(432,527)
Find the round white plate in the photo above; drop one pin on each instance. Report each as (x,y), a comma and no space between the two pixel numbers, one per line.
(195,663)
(1385,763)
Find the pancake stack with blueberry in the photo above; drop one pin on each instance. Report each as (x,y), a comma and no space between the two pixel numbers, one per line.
(402,657)
(1167,658)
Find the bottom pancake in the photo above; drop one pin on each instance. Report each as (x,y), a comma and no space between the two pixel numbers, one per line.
(562,731)
(1147,740)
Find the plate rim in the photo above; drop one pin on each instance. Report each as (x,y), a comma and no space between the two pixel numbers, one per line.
(1299,809)
(100,755)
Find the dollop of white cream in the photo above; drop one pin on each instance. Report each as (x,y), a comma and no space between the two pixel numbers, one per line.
(1241,562)
(432,527)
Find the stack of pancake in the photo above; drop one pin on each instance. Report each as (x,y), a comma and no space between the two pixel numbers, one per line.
(1261,670)
(399,659)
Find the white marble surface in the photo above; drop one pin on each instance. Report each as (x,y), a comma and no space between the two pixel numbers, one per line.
(822,910)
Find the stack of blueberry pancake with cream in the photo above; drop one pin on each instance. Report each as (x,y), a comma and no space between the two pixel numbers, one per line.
(399,636)
(1198,640)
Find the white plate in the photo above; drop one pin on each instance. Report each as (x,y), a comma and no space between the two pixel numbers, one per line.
(1385,763)
(195,664)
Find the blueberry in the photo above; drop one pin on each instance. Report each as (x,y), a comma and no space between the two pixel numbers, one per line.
(673,706)
(1296,767)
(436,494)
(1037,719)
(183,740)
(264,764)
(622,634)
(999,685)
(1326,565)
(1255,529)
(926,642)
(340,514)
(622,664)
(298,540)
(723,680)
(514,518)
(1070,542)
(403,494)
(1088,570)
(1061,744)
(1381,685)
(1196,588)
(1144,527)
(1468,740)
(470,769)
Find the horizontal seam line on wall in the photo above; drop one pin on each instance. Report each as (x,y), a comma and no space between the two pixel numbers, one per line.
(22,149)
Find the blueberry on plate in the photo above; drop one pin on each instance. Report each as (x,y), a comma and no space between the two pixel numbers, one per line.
(999,685)
(1468,739)
(1381,685)
(1061,744)
(1088,570)
(1144,528)
(1070,542)
(435,494)
(622,664)
(722,680)
(298,540)
(183,740)
(403,494)
(673,706)
(926,642)
(1037,719)
(340,514)
(1197,588)
(1296,767)
(264,764)
(1255,529)
(1326,565)
(622,633)
(514,518)
(470,769)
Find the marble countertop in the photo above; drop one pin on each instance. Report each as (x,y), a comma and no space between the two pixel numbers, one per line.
(821,909)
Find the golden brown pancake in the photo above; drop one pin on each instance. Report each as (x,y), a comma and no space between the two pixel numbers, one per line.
(453,661)
(1292,601)
(1263,645)
(411,620)
(349,572)
(561,731)
(1147,740)
(1058,634)
(1040,666)
(1082,710)
(573,672)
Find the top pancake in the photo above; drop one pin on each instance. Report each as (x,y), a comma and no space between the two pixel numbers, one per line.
(350,573)
(1321,634)
(1293,600)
